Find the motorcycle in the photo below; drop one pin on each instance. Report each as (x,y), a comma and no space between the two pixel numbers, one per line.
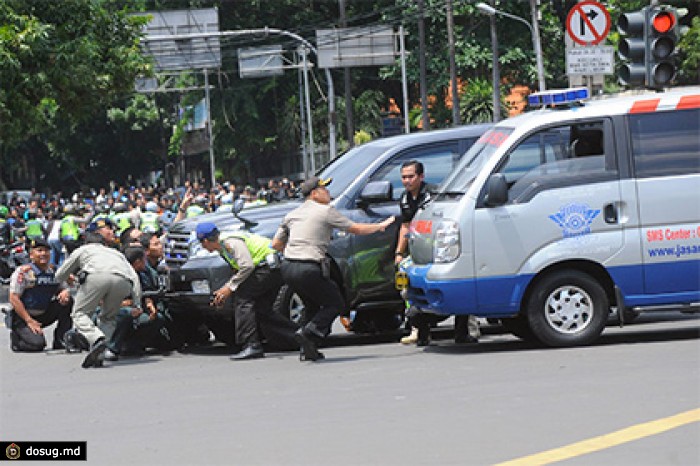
(12,256)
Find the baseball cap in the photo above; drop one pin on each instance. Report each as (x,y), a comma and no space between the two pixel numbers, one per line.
(313,183)
(100,223)
(206,229)
(38,243)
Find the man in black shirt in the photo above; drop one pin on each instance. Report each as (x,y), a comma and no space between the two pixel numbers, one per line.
(417,194)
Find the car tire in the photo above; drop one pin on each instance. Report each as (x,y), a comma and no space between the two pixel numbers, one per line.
(289,304)
(567,308)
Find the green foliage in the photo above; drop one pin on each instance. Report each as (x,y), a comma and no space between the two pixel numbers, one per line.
(63,60)
(361,137)
(476,103)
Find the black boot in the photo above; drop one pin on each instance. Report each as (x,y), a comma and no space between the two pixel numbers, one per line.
(251,351)
(309,351)
(95,357)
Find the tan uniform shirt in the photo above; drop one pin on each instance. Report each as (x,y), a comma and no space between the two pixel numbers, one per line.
(306,230)
(95,257)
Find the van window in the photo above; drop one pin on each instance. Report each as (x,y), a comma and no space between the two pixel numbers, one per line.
(560,156)
(438,161)
(666,143)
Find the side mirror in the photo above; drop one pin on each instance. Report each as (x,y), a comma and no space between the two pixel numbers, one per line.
(376,192)
(236,209)
(496,190)
(237,206)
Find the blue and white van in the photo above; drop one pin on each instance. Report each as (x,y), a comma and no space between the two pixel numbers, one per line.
(557,215)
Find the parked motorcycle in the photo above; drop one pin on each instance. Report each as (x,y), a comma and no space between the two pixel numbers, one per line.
(12,256)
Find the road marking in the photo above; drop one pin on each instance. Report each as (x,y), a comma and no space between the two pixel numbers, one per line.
(608,440)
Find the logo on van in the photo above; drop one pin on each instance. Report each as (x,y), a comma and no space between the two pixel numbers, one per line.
(575,219)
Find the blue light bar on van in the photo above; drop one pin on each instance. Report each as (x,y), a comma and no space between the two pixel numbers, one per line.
(557,97)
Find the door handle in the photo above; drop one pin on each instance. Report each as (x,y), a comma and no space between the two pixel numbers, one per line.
(610,213)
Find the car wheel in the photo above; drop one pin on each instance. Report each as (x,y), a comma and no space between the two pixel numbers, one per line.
(567,308)
(289,304)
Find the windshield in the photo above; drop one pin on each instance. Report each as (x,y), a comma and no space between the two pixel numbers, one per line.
(345,168)
(474,160)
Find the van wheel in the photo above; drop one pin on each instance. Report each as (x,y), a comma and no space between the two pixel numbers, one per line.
(289,304)
(567,308)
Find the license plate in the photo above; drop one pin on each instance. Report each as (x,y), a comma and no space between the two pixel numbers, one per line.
(201,286)
(401,280)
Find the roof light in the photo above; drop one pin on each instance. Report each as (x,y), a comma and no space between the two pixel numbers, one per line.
(558,97)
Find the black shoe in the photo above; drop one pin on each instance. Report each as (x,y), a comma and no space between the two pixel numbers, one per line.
(254,351)
(14,341)
(95,357)
(308,347)
(58,345)
(302,356)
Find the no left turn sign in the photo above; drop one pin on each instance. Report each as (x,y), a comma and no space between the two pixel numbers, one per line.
(588,23)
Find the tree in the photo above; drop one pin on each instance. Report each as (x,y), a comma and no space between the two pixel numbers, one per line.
(61,63)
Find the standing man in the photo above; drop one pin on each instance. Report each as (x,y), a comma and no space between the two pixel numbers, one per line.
(304,236)
(255,282)
(417,194)
(106,278)
(38,300)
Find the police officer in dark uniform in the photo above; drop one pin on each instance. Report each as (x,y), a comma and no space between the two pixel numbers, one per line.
(418,193)
(254,284)
(38,300)
(304,236)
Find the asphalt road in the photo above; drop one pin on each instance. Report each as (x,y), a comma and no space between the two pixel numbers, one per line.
(371,403)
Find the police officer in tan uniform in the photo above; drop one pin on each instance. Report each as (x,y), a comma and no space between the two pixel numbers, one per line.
(304,236)
(106,278)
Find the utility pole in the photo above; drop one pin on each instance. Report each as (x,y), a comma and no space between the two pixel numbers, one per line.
(349,113)
(496,72)
(421,67)
(456,118)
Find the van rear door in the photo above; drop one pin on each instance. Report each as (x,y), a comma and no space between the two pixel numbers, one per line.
(666,158)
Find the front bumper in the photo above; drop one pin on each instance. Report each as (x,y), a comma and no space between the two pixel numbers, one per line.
(448,297)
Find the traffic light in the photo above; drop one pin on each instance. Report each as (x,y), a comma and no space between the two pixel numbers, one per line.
(632,47)
(662,36)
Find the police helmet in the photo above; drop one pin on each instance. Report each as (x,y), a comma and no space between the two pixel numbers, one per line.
(151,206)
(4,211)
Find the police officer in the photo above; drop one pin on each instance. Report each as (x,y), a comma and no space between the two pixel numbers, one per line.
(417,193)
(34,226)
(70,228)
(254,284)
(150,219)
(38,300)
(106,278)
(304,235)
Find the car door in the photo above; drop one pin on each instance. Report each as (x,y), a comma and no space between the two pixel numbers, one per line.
(371,262)
(563,203)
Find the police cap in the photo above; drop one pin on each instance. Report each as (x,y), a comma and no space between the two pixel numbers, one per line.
(38,243)
(313,183)
(206,230)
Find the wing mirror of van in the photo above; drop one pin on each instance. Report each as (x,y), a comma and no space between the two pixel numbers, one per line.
(376,192)
(496,190)
(238,205)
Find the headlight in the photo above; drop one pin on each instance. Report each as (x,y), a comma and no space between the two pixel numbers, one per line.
(446,247)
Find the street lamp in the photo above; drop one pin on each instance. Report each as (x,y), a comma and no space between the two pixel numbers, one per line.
(491,11)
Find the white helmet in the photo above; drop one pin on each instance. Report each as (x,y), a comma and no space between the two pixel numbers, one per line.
(151,206)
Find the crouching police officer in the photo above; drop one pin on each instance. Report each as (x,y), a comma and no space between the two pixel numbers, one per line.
(38,300)
(254,284)
(304,236)
(106,278)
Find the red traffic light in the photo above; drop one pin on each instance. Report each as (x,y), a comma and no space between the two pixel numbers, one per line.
(663,22)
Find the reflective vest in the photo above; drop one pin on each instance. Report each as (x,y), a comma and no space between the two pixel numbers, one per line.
(123,221)
(194,210)
(258,246)
(34,229)
(149,222)
(69,229)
